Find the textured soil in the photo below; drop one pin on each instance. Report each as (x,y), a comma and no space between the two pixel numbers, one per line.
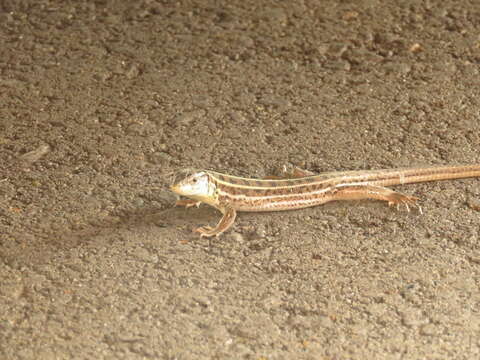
(100,101)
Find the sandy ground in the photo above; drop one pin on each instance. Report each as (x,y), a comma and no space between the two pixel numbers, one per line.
(100,100)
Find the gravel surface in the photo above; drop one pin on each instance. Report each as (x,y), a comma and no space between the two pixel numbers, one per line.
(100,101)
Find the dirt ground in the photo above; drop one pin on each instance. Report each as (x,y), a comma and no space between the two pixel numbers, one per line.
(101,100)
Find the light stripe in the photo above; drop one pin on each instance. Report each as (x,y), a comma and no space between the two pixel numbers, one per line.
(372,177)
(268,197)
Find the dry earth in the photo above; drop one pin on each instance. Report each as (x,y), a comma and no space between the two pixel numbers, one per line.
(100,100)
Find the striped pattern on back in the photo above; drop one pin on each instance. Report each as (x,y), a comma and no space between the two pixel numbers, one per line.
(273,195)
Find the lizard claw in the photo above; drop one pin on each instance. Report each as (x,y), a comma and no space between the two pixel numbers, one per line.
(399,199)
(206,231)
(188,203)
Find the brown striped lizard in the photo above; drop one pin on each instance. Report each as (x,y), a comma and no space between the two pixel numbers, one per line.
(230,194)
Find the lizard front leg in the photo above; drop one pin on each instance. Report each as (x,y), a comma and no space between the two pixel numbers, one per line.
(225,222)
(188,203)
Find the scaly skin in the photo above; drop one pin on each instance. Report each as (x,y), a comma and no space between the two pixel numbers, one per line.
(230,194)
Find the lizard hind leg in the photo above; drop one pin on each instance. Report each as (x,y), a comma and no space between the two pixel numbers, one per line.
(359,192)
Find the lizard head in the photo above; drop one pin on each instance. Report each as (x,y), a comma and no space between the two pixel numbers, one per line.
(195,185)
